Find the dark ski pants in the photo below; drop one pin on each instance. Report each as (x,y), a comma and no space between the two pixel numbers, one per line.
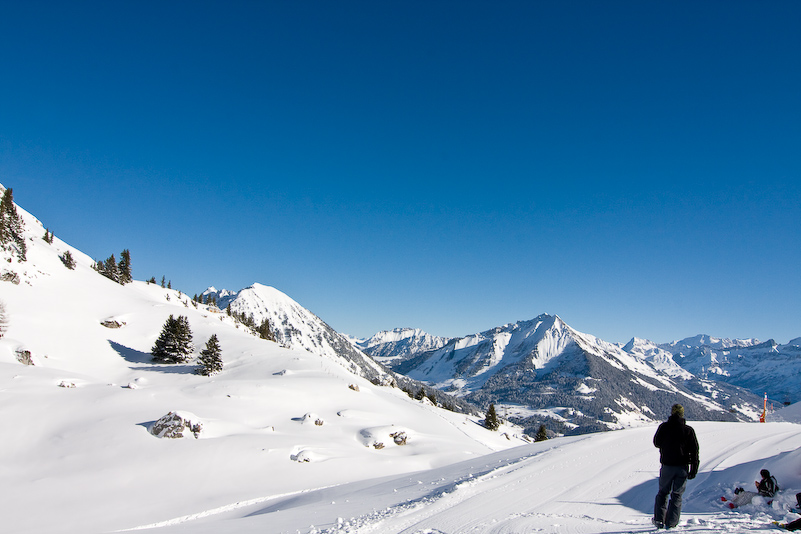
(795,525)
(672,482)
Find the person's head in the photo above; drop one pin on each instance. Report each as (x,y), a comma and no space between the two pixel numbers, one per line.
(677,410)
(765,473)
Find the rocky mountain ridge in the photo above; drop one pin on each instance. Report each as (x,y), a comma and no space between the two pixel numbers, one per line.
(542,370)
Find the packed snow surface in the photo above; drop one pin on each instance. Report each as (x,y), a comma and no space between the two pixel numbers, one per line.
(587,484)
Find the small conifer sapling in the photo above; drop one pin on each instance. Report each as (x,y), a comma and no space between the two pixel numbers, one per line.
(491,420)
(211,357)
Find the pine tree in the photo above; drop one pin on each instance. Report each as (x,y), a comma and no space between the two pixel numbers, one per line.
(162,281)
(12,227)
(174,344)
(67,260)
(491,421)
(124,267)
(211,357)
(542,434)
(110,270)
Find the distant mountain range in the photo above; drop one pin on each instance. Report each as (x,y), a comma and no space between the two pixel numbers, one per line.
(544,372)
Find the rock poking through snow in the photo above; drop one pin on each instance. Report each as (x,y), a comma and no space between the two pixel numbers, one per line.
(174,424)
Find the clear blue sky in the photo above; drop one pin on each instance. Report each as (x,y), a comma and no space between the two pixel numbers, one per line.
(632,167)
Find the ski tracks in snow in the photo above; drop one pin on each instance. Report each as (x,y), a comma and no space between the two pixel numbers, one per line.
(554,491)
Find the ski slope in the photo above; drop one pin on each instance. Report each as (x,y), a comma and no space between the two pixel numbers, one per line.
(580,485)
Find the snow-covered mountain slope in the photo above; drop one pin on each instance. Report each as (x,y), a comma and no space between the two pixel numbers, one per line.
(395,346)
(659,358)
(295,327)
(545,370)
(77,454)
(597,483)
(748,363)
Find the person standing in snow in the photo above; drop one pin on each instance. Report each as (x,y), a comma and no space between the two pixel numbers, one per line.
(678,454)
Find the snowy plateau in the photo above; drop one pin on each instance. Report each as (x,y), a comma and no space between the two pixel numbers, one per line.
(301,434)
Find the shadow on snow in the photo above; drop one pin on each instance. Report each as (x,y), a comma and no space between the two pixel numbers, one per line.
(138,357)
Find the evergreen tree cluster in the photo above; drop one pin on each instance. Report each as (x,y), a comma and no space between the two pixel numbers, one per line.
(263,329)
(174,344)
(436,396)
(211,357)
(48,236)
(111,269)
(12,227)
(210,300)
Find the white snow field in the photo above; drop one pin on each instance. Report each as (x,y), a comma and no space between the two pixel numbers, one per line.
(76,455)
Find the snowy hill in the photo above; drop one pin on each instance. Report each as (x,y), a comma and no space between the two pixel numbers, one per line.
(80,392)
(295,327)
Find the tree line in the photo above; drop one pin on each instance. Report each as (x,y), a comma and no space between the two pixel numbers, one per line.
(120,271)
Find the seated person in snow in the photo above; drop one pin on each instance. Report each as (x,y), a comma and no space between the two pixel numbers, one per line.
(767,487)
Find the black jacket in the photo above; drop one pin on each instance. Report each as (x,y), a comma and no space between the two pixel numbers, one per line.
(677,443)
(768,486)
